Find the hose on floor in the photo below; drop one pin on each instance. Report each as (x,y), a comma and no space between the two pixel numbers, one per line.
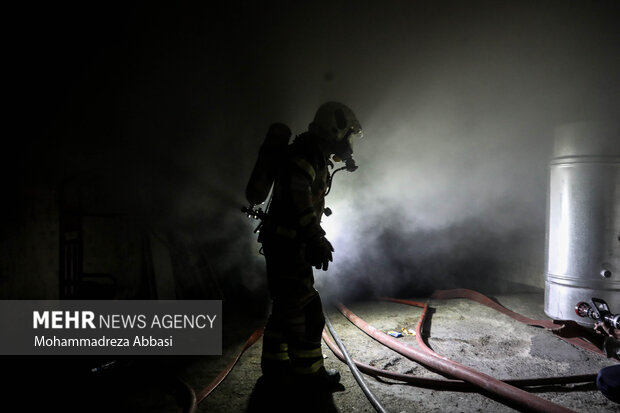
(510,395)
(354,370)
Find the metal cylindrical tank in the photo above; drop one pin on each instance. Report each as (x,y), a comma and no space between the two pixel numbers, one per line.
(583,221)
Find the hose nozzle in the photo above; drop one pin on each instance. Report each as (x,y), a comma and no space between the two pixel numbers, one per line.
(583,309)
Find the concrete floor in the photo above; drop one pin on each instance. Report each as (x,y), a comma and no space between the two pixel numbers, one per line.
(461,330)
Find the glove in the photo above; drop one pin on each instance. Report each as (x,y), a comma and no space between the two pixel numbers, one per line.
(319,252)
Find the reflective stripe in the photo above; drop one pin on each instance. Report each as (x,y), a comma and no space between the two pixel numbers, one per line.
(301,353)
(284,347)
(275,356)
(313,368)
(306,167)
(307,219)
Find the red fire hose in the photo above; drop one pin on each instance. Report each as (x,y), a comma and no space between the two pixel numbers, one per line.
(509,394)
(482,299)
(204,393)
(470,379)
(220,377)
(455,385)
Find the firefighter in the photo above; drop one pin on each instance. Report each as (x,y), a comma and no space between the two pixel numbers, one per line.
(608,339)
(293,242)
(608,378)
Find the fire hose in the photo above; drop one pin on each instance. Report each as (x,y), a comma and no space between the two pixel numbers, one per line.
(189,404)
(505,392)
(204,393)
(352,366)
(470,379)
(220,377)
(539,381)
(450,384)
(482,299)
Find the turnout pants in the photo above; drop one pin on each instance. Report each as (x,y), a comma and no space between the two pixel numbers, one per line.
(292,338)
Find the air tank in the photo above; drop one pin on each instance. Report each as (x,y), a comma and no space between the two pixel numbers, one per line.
(583,219)
(271,151)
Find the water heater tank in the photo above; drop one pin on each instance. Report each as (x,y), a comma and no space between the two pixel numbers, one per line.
(583,222)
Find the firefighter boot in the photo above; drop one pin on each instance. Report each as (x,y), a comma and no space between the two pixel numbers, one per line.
(275,362)
(327,377)
(323,379)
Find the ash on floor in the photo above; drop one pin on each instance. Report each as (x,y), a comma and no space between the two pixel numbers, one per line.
(462,330)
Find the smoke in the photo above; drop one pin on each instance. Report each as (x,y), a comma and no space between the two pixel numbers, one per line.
(458,104)
(437,196)
(458,107)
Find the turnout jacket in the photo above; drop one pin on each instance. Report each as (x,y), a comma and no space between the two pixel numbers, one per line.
(299,192)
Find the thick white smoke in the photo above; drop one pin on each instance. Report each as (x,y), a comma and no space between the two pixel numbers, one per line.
(458,105)
(466,180)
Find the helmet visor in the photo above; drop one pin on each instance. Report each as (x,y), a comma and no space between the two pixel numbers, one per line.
(353,135)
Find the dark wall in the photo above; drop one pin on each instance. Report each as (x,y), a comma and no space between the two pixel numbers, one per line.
(168,105)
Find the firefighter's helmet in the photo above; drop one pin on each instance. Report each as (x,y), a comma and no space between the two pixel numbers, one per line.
(335,122)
